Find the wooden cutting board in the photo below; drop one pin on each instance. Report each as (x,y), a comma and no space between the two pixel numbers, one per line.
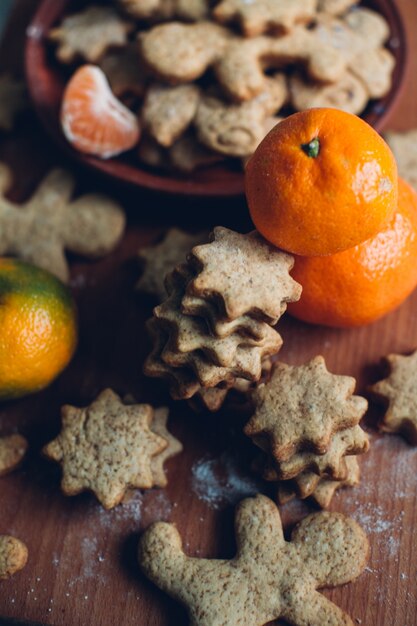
(82,566)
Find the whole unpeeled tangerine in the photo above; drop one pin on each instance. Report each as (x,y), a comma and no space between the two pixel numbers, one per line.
(321,181)
(360,285)
(38,328)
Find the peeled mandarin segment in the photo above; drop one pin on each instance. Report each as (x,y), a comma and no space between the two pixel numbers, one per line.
(322,181)
(360,285)
(93,120)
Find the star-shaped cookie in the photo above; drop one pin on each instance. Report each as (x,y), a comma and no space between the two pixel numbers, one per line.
(399,392)
(163,257)
(89,33)
(245,273)
(191,333)
(50,222)
(301,407)
(351,441)
(321,490)
(107,448)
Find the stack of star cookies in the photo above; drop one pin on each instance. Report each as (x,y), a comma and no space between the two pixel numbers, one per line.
(215,330)
(306,422)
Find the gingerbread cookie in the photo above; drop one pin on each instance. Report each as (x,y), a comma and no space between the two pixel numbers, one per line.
(168,111)
(13,556)
(269,578)
(235,271)
(360,37)
(256,18)
(12,452)
(398,393)
(348,94)
(89,34)
(107,448)
(404,147)
(13,100)
(302,407)
(181,53)
(241,68)
(160,10)
(161,259)
(41,229)
(237,130)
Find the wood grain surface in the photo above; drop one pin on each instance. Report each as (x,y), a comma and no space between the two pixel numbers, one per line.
(82,566)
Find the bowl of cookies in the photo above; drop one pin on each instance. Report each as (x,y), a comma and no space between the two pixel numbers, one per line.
(176,96)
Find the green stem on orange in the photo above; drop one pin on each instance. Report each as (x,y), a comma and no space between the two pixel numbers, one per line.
(312,148)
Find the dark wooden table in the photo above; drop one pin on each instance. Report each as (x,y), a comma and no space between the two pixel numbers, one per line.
(82,566)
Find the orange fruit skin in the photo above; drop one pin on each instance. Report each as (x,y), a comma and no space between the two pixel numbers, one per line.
(38,328)
(93,120)
(360,285)
(323,205)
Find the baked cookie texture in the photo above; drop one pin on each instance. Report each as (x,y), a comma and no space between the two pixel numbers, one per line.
(50,222)
(198,73)
(12,452)
(269,577)
(111,447)
(214,330)
(89,34)
(404,147)
(13,556)
(397,392)
(306,422)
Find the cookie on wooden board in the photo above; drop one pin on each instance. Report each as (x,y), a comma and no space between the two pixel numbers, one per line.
(302,407)
(269,577)
(398,393)
(13,556)
(50,222)
(108,448)
(12,451)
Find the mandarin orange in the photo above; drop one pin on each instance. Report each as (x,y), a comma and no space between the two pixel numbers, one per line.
(360,285)
(38,328)
(321,181)
(94,121)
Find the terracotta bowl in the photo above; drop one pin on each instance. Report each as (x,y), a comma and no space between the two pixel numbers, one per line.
(46,80)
